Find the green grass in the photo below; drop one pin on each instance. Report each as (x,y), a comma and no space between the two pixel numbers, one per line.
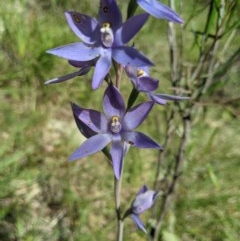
(43,197)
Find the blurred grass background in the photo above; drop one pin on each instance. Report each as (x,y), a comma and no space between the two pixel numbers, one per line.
(43,197)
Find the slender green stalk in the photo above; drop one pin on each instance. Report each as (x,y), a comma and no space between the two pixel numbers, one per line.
(117,194)
(118,183)
(119,76)
(120,230)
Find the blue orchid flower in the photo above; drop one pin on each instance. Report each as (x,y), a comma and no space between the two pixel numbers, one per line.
(103,39)
(115,126)
(142,82)
(144,200)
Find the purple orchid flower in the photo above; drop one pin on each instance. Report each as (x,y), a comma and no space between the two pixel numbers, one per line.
(144,83)
(159,10)
(103,39)
(115,126)
(144,200)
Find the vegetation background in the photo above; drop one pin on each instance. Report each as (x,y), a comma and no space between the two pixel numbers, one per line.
(43,197)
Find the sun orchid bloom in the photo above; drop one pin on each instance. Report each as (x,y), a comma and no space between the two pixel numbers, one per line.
(115,126)
(144,200)
(159,10)
(142,82)
(103,39)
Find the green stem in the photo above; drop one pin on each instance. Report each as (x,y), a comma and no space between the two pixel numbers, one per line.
(132,98)
(117,193)
(119,76)
(120,230)
(132,7)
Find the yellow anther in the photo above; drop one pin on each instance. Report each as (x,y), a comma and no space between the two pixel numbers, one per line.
(115,119)
(140,72)
(106,25)
(115,125)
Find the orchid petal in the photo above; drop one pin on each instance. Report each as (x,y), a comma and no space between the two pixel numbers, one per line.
(80,72)
(83,128)
(138,222)
(125,55)
(113,103)
(131,71)
(76,51)
(142,190)
(109,12)
(90,146)
(95,120)
(146,84)
(157,99)
(128,30)
(159,10)
(162,98)
(85,27)
(101,69)
(135,116)
(82,64)
(172,97)
(117,153)
(140,140)
(143,201)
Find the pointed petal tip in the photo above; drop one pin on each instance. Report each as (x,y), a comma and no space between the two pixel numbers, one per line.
(52,81)
(136,219)
(72,104)
(49,51)
(66,13)
(71,158)
(48,82)
(117,176)
(159,147)
(94,86)
(178,20)
(181,21)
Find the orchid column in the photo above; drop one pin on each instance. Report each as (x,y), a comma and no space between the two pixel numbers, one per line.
(104,44)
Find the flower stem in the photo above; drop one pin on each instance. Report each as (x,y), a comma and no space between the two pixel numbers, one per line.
(119,76)
(120,230)
(132,98)
(117,193)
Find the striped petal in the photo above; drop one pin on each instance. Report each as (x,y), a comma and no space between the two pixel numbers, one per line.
(85,27)
(101,69)
(125,55)
(113,103)
(135,116)
(117,153)
(95,120)
(76,51)
(140,140)
(90,146)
